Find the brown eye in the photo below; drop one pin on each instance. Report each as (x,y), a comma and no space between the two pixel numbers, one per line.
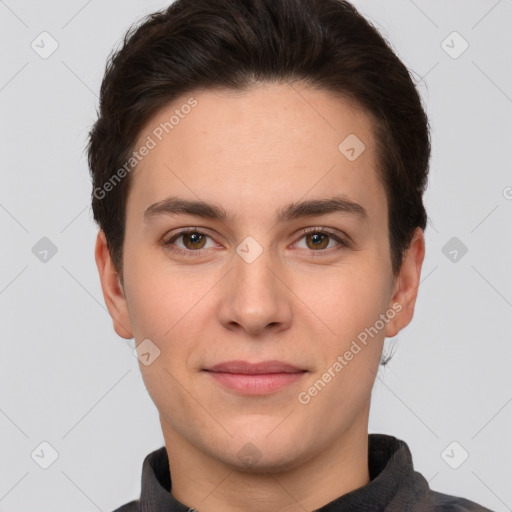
(188,242)
(318,240)
(193,240)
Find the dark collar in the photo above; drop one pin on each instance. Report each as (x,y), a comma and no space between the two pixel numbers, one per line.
(394,485)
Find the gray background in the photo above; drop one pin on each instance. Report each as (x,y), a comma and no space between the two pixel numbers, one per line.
(66,378)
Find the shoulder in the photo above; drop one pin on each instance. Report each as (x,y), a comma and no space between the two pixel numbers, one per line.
(448,503)
(133,506)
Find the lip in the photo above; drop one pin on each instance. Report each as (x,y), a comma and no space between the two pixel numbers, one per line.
(255,378)
(264,367)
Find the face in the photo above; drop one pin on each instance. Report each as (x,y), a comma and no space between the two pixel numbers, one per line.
(259,278)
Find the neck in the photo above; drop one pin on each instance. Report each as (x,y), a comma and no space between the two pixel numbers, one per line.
(211,485)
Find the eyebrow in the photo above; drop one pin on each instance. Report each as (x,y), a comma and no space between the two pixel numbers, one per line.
(313,207)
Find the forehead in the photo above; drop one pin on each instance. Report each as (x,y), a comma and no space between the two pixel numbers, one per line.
(257,148)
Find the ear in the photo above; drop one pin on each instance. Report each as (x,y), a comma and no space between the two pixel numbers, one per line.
(113,292)
(406,285)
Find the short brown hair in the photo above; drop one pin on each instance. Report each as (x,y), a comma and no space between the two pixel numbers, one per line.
(201,44)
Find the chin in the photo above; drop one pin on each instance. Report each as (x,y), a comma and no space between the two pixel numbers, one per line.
(266,463)
(266,453)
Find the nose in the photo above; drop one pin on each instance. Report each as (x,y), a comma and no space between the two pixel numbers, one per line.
(255,297)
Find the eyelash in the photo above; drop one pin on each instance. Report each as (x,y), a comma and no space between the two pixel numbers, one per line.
(168,243)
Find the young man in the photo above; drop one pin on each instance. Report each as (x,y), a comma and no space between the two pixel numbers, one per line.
(258,169)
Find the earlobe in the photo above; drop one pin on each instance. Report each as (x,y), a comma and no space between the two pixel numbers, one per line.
(113,292)
(406,286)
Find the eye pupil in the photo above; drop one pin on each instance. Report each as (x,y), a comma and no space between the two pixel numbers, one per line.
(194,238)
(318,240)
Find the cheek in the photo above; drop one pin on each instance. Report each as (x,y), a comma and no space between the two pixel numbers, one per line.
(349,305)
(348,300)
(163,308)
(160,299)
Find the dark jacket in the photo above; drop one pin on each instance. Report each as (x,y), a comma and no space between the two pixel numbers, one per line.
(394,486)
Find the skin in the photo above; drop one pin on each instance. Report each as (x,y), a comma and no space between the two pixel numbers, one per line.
(253,152)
